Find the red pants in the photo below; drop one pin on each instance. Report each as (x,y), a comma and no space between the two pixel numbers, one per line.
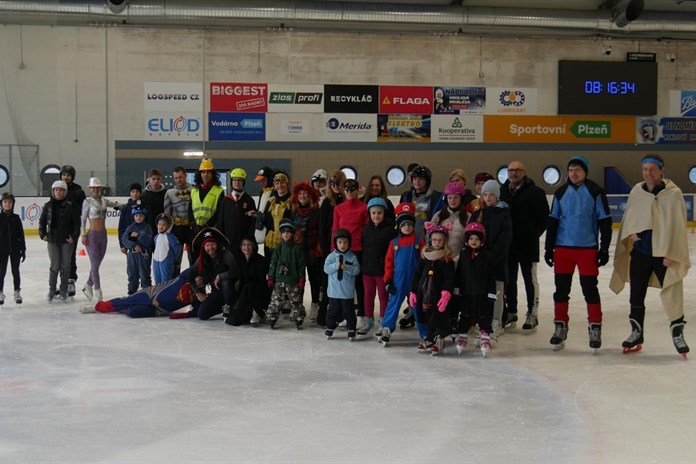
(564,262)
(374,284)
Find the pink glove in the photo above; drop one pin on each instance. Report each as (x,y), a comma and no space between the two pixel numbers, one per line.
(301,284)
(412,299)
(444,301)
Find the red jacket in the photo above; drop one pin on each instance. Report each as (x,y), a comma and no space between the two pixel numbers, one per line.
(352,216)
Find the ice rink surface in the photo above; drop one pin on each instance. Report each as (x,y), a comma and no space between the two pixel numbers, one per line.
(102,388)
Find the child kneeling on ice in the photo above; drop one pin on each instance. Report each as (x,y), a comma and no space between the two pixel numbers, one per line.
(341,266)
(431,288)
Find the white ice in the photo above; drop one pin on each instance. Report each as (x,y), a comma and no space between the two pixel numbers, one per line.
(102,388)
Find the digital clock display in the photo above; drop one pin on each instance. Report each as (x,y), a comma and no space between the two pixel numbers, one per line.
(607,88)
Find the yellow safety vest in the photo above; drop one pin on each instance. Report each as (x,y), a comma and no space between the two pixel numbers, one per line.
(203,211)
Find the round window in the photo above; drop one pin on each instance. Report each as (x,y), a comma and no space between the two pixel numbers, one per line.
(502,174)
(692,175)
(396,176)
(4,176)
(350,172)
(552,175)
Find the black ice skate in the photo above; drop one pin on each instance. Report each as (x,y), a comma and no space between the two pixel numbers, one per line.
(511,322)
(559,336)
(531,322)
(298,322)
(272,322)
(595,333)
(351,335)
(384,339)
(678,339)
(634,342)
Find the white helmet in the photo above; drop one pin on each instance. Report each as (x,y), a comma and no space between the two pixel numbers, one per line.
(59,184)
(94,182)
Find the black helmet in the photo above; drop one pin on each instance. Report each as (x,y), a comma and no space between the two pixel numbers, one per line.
(8,196)
(342,233)
(286,224)
(424,173)
(68,169)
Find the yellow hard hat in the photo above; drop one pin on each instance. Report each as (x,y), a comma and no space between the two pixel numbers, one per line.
(238,173)
(206,165)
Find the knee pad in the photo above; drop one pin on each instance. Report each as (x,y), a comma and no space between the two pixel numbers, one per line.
(563,283)
(589,289)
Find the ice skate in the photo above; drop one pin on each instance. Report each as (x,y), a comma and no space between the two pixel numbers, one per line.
(88,309)
(298,322)
(329,334)
(634,342)
(313,312)
(88,291)
(512,321)
(255,319)
(272,321)
(64,297)
(438,347)
(365,331)
(225,312)
(485,343)
(424,346)
(384,339)
(2,298)
(71,287)
(531,322)
(594,332)
(98,294)
(559,336)
(498,330)
(462,342)
(351,335)
(678,339)
(17,297)
(50,296)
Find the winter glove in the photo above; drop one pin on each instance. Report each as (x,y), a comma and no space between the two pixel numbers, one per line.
(389,287)
(602,257)
(444,301)
(548,256)
(23,255)
(260,220)
(412,299)
(271,283)
(180,315)
(301,284)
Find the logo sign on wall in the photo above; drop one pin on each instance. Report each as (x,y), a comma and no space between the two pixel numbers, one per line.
(237,126)
(295,98)
(173,126)
(403,128)
(512,100)
(350,127)
(682,103)
(173,110)
(666,130)
(559,129)
(238,97)
(395,99)
(292,127)
(457,128)
(459,100)
(351,99)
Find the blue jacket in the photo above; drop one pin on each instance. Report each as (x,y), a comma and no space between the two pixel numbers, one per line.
(144,238)
(166,249)
(341,284)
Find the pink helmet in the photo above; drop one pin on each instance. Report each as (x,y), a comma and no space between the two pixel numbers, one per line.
(431,228)
(475,228)
(454,188)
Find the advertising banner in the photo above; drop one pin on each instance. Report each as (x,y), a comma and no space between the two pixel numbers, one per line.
(398,99)
(403,128)
(512,100)
(173,111)
(295,98)
(459,100)
(457,128)
(165,125)
(236,126)
(559,129)
(362,99)
(666,130)
(682,103)
(293,127)
(349,127)
(238,97)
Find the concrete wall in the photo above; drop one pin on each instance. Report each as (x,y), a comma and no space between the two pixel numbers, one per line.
(75,91)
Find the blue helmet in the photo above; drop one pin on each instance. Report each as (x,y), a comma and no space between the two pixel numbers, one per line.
(139,210)
(377,201)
